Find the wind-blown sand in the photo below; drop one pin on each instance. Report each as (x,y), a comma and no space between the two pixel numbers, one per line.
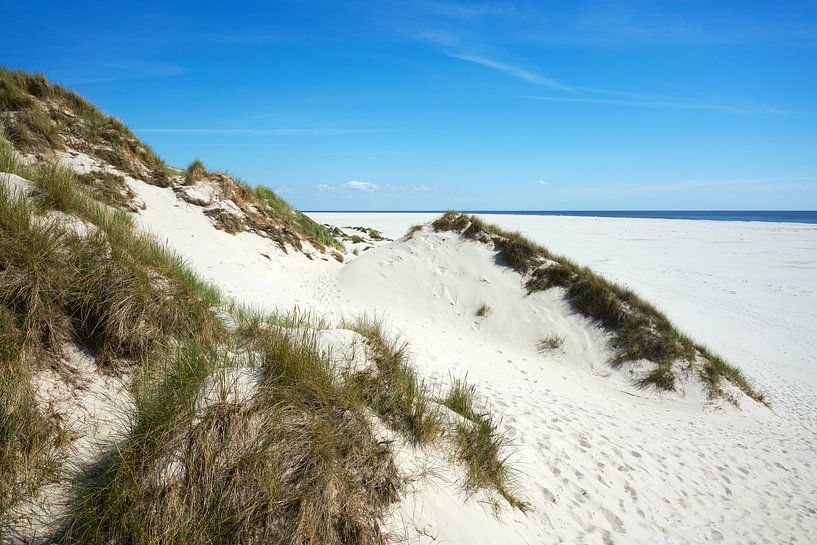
(598,461)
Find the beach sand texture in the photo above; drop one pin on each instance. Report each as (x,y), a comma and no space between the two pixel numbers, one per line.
(598,460)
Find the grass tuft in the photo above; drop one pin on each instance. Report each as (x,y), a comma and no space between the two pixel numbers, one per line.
(194,172)
(550,343)
(296,462)
(480,446)
(414,229)
(28,439)
(392,388)
(484,311)
(310,229)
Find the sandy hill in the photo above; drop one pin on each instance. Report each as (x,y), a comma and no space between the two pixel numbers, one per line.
(186,359)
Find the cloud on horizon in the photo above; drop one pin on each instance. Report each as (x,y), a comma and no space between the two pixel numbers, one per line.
(361,186)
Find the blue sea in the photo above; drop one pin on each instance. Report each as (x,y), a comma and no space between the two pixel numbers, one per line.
(784,216)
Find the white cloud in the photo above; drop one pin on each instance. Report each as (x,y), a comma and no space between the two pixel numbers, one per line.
(361,186)
(542,182)
(515,71)
(680,104)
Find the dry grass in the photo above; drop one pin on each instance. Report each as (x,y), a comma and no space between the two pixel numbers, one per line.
(28,439)
(107,188)
(639,331)
(480,446)
(550,343)
(194,172)
(392,388)
(112,289)
(294,463)
(319,235)
(37,115)
(413,230)
(484,311)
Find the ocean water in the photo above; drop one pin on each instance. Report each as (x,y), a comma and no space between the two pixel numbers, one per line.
(783,216)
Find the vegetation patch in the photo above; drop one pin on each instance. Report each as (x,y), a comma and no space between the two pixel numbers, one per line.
(29,440)
(295,462)
(194,172)
(414,229)
(109,188)
(484,310)
(639,331)
(392,388)
(39,117)
(480,446)
(550,343)
(100,283)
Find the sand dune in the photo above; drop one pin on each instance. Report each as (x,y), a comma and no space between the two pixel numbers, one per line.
(599,461)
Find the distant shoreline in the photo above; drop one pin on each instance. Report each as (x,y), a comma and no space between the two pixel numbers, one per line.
(775,216)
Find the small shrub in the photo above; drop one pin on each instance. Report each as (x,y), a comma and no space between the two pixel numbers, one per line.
(484,310)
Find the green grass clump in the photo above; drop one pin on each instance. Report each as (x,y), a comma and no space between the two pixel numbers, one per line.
(392,388)
(302,223)
(551,342)
(107,187)
(480,446)
(717,370)
(28,439)
(484,310)
(113,288)
(194,172)
(295,462)
(37,115)
(639,331)
(414,229)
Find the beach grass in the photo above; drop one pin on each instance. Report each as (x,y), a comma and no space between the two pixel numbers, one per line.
(480,446)
(638,330)
(550,343)
(392,388)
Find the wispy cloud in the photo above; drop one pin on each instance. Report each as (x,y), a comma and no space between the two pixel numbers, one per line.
(264,132)
(487,33)
(512,70)
(104,71)
(678,104)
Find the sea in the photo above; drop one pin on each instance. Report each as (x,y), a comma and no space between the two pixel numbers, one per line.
(782,216)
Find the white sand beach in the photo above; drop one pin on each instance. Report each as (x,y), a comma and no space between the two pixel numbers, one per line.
(598,460)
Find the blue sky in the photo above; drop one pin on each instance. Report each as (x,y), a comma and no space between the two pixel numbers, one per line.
(434,105)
